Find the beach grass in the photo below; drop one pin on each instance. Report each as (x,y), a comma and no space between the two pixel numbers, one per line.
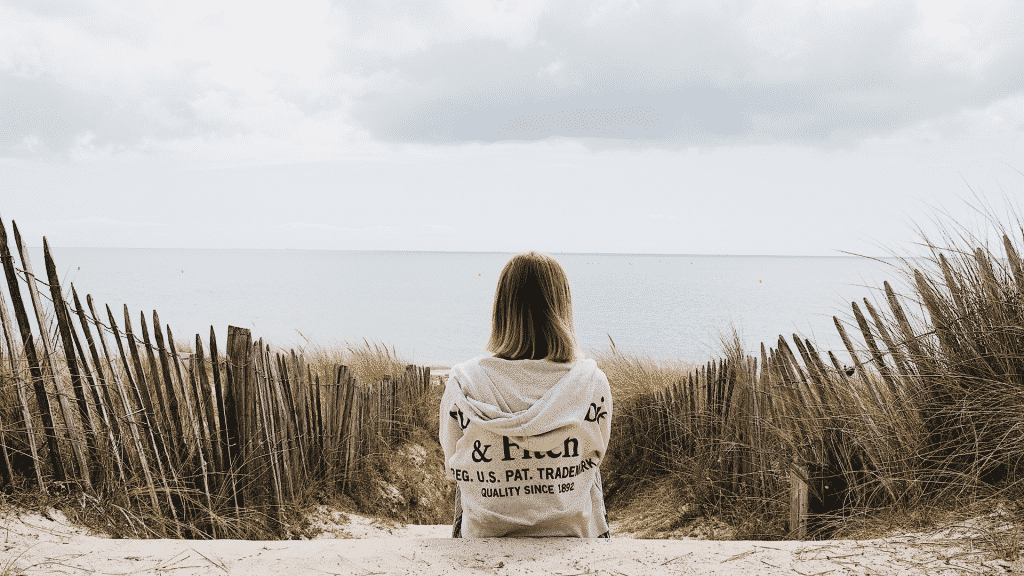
(922,410)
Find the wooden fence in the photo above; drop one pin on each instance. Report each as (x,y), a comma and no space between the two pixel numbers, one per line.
(200,439)
(760,427)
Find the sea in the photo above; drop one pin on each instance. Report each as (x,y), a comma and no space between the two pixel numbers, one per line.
(434,308)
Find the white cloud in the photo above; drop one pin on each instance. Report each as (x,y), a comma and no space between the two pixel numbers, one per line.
(271,82)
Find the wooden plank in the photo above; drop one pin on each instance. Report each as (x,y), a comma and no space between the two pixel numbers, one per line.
(101,385)
(133,428)
(279,412)
(184,387)
(101,405)
(203,440)
(207,403)
(261,392)
(798,503)
(19,384)
(34,364)
(48,361)
(346,384)
(64,329)
(292,415)
(177,423)
(218,397)
(167,441)
(226,450)
(321,441)
(238,357)
(142,397)
(152,383)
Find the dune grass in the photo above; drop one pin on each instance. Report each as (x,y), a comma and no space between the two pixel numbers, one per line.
(923,409)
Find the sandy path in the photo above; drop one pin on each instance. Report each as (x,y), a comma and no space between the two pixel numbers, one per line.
(34,544)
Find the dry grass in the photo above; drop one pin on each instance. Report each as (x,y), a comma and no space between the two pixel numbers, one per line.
(632,375)
(369,362)
(930,412)
(929,418)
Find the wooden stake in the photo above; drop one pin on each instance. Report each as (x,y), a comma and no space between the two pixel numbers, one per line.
(109,410)
(798,504)
(132,425)
(19,383)
(177,424)
(160,453)
(64,328)
(34,364)
(48,361)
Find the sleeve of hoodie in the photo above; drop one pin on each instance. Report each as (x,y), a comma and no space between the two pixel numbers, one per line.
(449,431)
(602,388)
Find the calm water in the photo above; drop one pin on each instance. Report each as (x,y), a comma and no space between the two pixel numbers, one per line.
(434,308)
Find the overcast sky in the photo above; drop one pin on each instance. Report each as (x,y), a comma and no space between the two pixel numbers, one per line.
(699,127)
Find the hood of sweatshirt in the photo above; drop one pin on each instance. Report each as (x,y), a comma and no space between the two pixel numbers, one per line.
(525,399)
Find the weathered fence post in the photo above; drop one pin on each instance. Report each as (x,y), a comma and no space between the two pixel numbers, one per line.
(34,365)
(26,415)
(50,362)
(798,504)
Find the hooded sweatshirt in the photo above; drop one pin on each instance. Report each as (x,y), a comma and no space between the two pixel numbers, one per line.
(524,439)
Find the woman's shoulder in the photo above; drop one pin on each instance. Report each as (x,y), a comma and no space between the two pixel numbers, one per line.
(469,364)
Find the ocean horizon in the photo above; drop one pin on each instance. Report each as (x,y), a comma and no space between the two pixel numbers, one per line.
(434,308)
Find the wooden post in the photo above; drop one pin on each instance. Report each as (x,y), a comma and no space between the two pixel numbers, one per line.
(226,451)
(189,397)
(238,358)
(176,423)
(195,418)
(101,404)
(265,417)
(50,362)
(126,403)
(19,382)
(798,504)
(321,439)
(151,383)
(109,413)
(64,328)
(207,404)
(34,365)
(159,448)
(142,395)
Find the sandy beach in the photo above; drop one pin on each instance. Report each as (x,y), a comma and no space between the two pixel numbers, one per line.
(37,543)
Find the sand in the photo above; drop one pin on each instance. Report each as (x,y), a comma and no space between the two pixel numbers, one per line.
(48,544)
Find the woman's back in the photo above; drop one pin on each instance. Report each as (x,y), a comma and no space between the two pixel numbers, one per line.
(524,439)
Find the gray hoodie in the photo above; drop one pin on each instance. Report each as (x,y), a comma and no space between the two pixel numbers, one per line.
(524,439)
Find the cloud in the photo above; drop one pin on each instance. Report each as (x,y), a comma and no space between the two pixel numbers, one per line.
(320,78)
(710,73)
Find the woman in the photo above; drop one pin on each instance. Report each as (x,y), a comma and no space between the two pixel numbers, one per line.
(524,430)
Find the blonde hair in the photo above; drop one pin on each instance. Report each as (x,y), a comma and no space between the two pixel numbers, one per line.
(532,315)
